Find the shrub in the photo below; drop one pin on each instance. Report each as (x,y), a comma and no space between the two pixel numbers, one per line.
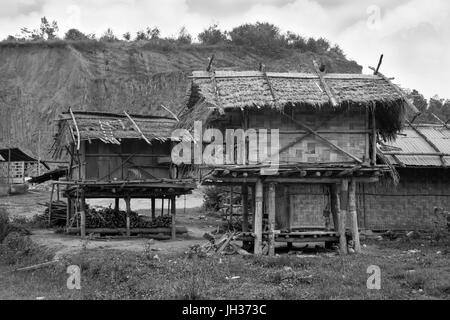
(17,249)
(4,224)
(212,35)
(263,36)
(184,37)
(75,35)
(108,36)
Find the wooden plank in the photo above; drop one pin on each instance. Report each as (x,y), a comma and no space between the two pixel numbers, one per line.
(353,215)
(271,214)
(258,220)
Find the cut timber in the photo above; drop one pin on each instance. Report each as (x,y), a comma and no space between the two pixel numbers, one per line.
(167,231)
(258,217)
(353,215)
(271,211)
(342,215)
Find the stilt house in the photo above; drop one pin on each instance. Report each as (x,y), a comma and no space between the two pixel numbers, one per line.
(326,127)
(118,156)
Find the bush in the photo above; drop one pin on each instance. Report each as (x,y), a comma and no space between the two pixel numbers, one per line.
(184,37)
(212,35)
(108,36)
(75,35)
(17,249)
(4,224)
(263,36)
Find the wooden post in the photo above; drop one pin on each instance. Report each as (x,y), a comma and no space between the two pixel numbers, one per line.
(231,205)
(244,207)
(173,212)
(50,205)
(374,135)
(271,214)
(128,205)
(57,192)
(153,208)
(342,215)
(335,206)
(162,207)
(116,204)
(258,216)
(82,215)
(353,215)
(168,205)
(69,209)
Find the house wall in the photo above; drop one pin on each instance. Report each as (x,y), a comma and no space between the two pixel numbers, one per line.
(349,131)
(409,205)
(133,159)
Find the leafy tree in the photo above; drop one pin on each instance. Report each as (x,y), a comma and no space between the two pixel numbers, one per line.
(75,35)
(108,36)
(153,33)
(261,35)
(184,37)
(48,30)
(141,35)
(212,35)
(127,36)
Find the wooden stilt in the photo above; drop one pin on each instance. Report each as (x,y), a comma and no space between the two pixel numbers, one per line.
(342,215)
(50,205)
(168,205)
(258,216)
(57,192)
(162,207)
(69,209)
(244,207)
(173,213)
(82,215)
(335,206)
(353,215)
(153,209)
(231,205)
(271,214)
(128,206)
(116,204)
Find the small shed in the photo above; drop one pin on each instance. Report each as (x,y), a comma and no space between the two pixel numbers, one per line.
(16,166)
(117,156)
(421,156)
(326,128)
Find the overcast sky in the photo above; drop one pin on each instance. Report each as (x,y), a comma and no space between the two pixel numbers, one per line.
(414,35)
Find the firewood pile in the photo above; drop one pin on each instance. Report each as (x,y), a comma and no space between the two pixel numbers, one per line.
(224,245)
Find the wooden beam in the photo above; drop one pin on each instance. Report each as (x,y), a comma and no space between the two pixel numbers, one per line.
(379,64)
(342,216)
(258,220)
(333,100)
(128,206)
(271,214)
(116,204)
(353,215)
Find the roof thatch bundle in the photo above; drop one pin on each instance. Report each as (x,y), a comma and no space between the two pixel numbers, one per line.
(111,127)
(250,89)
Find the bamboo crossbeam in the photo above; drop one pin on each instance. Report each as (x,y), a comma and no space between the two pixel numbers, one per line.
(137,127)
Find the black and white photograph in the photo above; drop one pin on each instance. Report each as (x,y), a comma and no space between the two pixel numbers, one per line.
(218,155)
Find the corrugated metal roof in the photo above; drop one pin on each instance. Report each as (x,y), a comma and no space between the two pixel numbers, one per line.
(418,149)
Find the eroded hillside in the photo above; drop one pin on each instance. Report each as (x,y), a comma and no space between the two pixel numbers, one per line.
(38,81)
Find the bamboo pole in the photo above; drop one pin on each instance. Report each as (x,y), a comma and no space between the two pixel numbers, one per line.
(153,208)
(82,215)
(258,216)
(353,215)
(173,213)
(128,205)
(271,212)
(342,214)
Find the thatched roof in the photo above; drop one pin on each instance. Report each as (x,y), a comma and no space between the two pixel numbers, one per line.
(112,127)
(249,89)
(419,145)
